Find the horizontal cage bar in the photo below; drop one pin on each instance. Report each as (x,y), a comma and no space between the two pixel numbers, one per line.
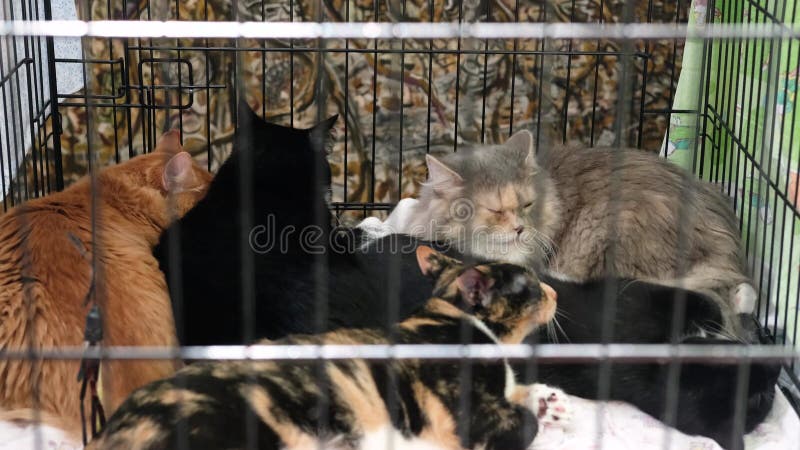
(399,30)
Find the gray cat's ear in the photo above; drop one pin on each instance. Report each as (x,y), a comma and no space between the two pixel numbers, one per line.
(521,143)
(441,177)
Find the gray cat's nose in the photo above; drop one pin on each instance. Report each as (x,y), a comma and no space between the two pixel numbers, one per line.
(519,229)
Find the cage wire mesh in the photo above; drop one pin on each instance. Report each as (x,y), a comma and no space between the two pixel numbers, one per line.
(718,101)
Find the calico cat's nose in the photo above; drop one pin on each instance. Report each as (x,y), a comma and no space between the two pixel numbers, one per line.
(549,292)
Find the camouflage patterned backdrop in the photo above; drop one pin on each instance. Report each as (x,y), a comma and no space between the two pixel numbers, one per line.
(390,95)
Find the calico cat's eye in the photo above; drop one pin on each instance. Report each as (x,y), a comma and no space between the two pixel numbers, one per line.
(494,211)
(528,205)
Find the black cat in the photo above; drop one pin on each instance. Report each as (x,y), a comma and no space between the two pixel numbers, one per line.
(246,264)
(233,279)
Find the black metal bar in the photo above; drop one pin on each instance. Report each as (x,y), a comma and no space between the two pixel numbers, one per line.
(565,106)
(485,72)
(672,83)
(514,71)
(430,80)
(539,93)
(346,117)
(643,93)
(127,52)
(54,114)
(458,83)
(388,51)
(766,151)
(209,150)
(394,310)
(31,103)
(721,88)
(375,63)
(20,162)
(755,165)
(39,142)
(600,20)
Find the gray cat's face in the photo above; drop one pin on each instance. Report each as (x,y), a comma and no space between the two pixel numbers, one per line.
(495,201)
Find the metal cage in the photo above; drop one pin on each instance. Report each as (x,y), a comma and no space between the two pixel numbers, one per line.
(76,99)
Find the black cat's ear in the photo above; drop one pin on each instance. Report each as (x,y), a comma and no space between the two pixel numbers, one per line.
(433,263)
(245,116)
(441,178)
(327,124)
(321,133)
(475,287)
(521,143)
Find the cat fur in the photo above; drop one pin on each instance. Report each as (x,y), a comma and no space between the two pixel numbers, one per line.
(494,303)
(45,277)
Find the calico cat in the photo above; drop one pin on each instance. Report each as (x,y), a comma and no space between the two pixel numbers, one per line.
(567,207)
(497,302)
(44,277)
(642,314)
(376,285)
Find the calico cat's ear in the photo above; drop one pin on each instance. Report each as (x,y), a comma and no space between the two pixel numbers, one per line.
(475,287)
(178,175)
(521,143)
(170,142)
(431,262)
(440,177)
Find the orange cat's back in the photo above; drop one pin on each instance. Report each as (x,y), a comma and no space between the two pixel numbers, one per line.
(45,276)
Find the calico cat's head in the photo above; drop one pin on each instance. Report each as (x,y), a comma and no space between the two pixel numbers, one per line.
(508,298)
(495,200)
(161,185)
(286,167)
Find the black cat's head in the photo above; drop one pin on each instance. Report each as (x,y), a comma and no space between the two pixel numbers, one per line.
(508,298)
(285,166)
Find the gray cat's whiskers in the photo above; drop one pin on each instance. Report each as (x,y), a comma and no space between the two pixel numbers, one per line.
(545,244)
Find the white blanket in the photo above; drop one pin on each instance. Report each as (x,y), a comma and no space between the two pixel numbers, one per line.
(623,427)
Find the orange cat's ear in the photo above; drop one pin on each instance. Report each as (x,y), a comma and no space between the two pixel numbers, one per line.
(178,175)
(170,142)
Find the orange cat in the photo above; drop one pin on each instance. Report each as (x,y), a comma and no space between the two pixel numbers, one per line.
(44,278)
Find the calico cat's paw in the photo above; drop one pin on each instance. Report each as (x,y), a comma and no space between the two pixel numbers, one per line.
(551,405)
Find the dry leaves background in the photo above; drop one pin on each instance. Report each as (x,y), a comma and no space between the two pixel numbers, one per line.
(396,100)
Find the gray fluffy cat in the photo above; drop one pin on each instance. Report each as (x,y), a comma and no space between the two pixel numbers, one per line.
(566,208)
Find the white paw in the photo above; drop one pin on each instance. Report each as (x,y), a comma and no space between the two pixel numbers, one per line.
(551,405)
(744,298)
